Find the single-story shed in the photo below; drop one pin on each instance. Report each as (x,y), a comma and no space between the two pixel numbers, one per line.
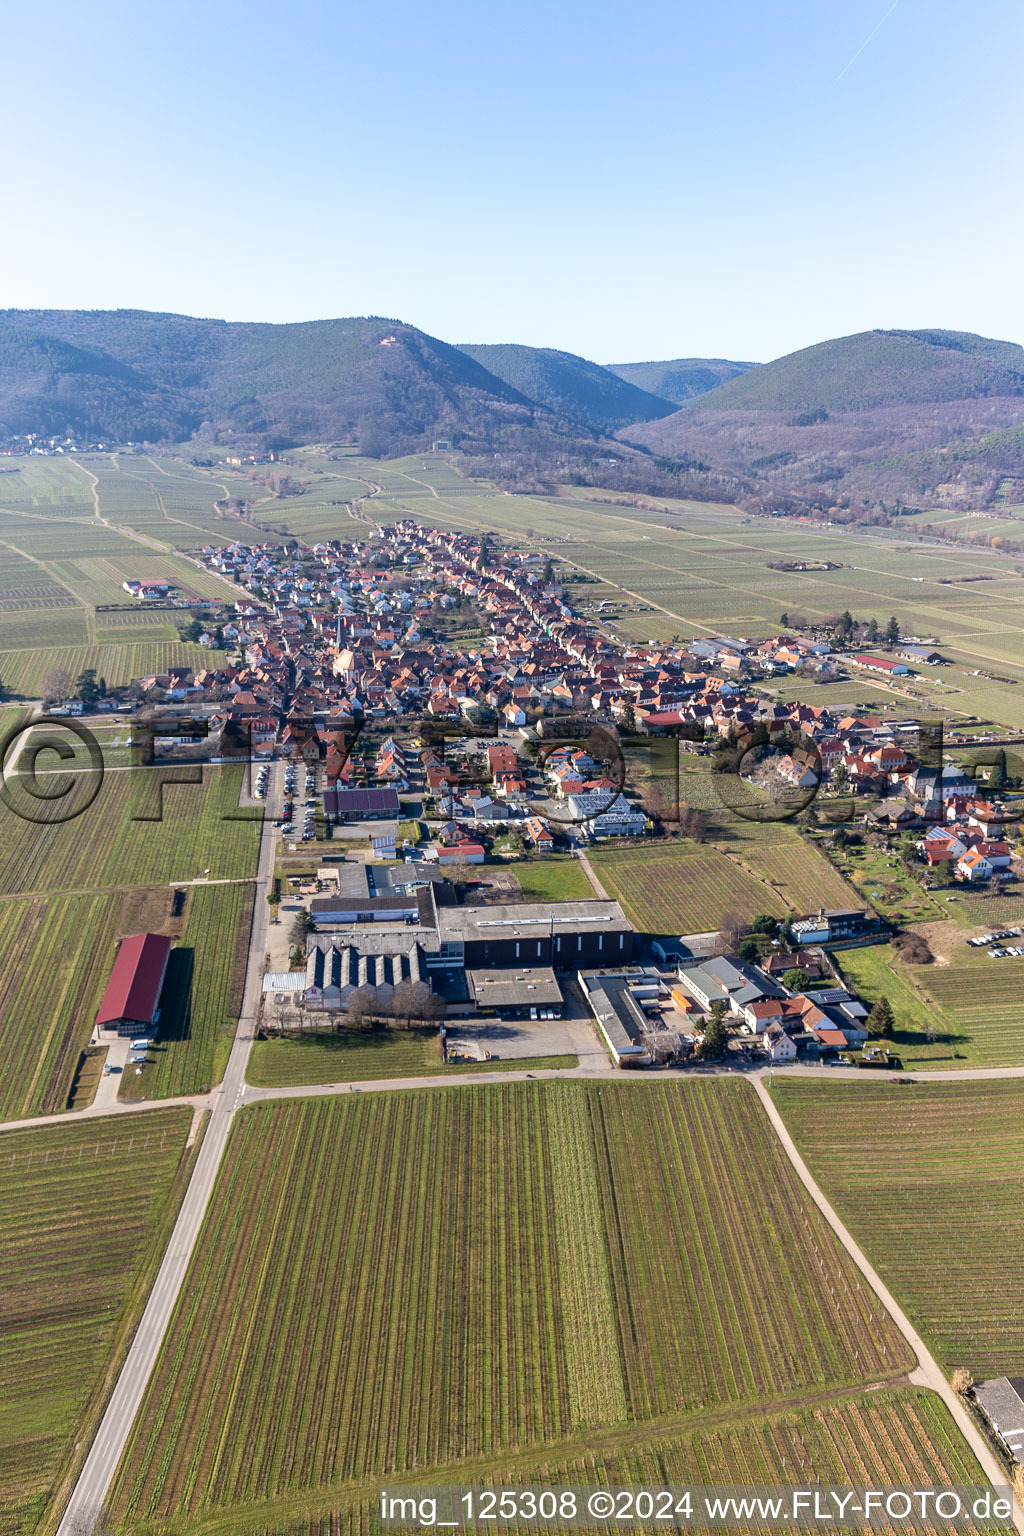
(1002,1402)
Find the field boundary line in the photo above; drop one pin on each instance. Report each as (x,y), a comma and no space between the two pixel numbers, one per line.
(928,1373)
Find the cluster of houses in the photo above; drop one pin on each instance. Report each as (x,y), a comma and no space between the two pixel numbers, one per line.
(823,1018)
(345,631)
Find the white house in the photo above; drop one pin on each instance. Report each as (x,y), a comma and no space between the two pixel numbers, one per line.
(778,1044)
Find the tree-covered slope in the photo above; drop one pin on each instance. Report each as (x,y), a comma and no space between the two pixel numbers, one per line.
(570,386)
(680,378)
(134,374)
(875,368)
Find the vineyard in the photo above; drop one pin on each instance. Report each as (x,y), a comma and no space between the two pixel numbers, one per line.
(682,887)
(928,1180)
(72,1267)
(25,671)
(48,1005)
(112,843)
(889,1438)
(435,1276)
(982,998)
(201,998)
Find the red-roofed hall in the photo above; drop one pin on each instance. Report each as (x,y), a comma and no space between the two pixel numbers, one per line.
(133,991)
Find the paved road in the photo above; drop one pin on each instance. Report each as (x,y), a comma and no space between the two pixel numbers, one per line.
(97,1474)
(928,1372)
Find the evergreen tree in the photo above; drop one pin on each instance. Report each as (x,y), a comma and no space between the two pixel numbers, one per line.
(796,980)
(86,687)
(997,773)
(881,1020)
(716,1036)
(873,632)
(892,630)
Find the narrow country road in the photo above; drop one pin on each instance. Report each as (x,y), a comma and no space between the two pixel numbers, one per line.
(96,1476)
(591,874)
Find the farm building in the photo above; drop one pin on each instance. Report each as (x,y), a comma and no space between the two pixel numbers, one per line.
(361,804)
(131,1002)
(923,654)
(881,664)
(1002,1402)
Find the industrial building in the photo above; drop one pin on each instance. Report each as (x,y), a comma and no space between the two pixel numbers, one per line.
(362,804)
(525,993)
(335,971)
(565,935)
(617,999)
(131,1001)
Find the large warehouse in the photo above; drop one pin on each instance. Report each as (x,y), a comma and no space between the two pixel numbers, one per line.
(131,1001)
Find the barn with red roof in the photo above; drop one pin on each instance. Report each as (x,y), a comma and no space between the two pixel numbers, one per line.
(132,997)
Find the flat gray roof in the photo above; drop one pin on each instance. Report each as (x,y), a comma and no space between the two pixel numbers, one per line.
(532,919)
(518,987)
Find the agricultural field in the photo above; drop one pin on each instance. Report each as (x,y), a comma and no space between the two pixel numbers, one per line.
(927,1178)
(685,887)
(26,671)
(363,1056)
(48,1007)
(202,996)
(124,837)
(903,1436)
(76,1262)
(45,1027)
(525,1222)
(552,879)
(58,560)
(968,1003)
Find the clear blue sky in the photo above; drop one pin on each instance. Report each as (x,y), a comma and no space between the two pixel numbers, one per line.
(658,179)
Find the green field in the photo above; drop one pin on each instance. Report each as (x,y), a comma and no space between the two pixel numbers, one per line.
(77,1257)
(927,1178)
(199,828)
(491,1270)
(370,1054)
(552,879)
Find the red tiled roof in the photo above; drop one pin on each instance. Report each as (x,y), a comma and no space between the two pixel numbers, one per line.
(133,990)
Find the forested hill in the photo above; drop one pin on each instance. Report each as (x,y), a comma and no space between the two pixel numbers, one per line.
(863,424)
(571,386)
(680,378)
(873,368)
(135,375)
